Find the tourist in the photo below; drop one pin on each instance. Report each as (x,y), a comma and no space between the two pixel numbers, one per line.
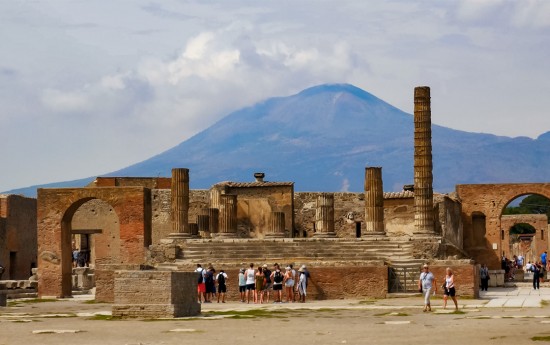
(535,268)
(260,283)
(449,287)
(528,266)
(426,283)
(268,282)
(201,287)
(75,257)
(277,277)
(484,275)
(302,284)
(289,284)
(294,287)
(520,261)
(543,258)
(242,284)
(249,274)
(221,279)
(210,284)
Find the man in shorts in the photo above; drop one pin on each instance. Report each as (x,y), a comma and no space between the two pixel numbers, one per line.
(277,278)
(201,287)
(268,281)
(250,282)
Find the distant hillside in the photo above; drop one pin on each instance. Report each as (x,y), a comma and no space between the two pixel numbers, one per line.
(323,137)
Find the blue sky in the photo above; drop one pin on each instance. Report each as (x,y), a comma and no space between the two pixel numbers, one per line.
(88,87)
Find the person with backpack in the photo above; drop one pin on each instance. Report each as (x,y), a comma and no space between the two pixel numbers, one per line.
(277,277)
(201,287)
(268,282)
(221,279)
(210,284)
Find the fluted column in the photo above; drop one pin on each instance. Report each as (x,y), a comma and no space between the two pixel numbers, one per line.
(214,196)
(228,216)
(180,203)
(423,178)
(276,225)
(203,225)
(374,201)
(214,216)
(324,216)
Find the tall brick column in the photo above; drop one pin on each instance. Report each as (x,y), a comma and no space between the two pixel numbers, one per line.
(324,216)
(423,178)
(374,202)
(277,225)
(180,203)
(203,223)
(228,216)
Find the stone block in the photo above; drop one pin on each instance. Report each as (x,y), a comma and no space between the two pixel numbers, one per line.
(3,300)
(155,294)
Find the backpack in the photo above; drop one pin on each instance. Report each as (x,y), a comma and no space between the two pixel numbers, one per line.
(200,279)
(221,279)
(278,277)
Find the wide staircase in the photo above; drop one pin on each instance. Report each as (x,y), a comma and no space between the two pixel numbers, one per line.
(335,251)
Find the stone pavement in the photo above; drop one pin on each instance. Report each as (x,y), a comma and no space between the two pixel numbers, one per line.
(520,296)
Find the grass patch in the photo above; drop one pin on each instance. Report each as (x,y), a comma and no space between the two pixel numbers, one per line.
(367,302)
(33,300)
(544,303)
(248,314)
(104,318)
(392,314)
(541,338)
(93,301)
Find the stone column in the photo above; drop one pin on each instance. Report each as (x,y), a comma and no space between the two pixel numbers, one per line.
(203,224)
(228,216)
(277,225)
(324,216)
(423,178)
(213,215)
(180,203)
(374,202)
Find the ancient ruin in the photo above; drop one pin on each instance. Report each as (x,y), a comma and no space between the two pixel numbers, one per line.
(156,228)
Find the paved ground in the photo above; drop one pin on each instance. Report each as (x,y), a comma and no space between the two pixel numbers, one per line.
(515,315)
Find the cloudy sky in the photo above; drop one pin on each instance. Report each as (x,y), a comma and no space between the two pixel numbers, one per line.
(88,87)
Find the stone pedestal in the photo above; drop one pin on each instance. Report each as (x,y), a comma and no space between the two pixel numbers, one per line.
(423,178)
(324,216)
(155,294)
(277,225)
(180,204)
(228,216)
(374,202)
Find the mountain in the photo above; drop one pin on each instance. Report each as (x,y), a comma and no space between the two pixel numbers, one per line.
(323,137)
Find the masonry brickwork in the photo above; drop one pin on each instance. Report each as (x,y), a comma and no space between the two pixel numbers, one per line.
(531,249)
(18,239)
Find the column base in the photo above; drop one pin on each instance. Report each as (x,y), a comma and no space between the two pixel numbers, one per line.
(324,235)
(223,235)
(179,236)
(374,233)
(204,234)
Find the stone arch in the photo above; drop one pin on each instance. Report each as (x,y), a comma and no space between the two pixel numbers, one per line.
(56,208)
(491,199)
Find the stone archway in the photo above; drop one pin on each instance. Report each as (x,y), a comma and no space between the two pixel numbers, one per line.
(490,200)
(56,208)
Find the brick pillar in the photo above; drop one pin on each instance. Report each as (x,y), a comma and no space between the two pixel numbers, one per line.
(203,224)
(324,216)
(423,178)
(277,225)
(180,203)
(374,202)
(228,216)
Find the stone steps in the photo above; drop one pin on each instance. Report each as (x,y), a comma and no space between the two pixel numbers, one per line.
(293,250)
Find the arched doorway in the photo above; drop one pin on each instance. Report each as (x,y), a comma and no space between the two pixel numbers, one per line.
(56,209)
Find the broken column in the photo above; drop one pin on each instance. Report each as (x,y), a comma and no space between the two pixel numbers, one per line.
(374,202)
(203,224)
(194,230)
(213,223)
(227,216)
(180,203)
(423,178)
(277,225)
(324,216)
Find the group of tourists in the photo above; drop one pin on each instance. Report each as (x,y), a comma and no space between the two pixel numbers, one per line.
(427,285)
(255,285)
(510,267)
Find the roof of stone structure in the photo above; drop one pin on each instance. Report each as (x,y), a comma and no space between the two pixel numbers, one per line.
(399,195)
(255,184)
